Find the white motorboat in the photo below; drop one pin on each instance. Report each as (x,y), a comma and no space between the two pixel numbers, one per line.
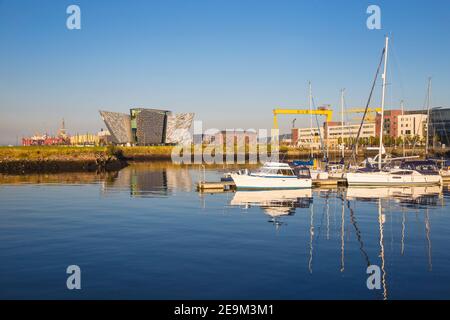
(273,175)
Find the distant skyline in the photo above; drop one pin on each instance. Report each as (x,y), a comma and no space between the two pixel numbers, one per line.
(230,62)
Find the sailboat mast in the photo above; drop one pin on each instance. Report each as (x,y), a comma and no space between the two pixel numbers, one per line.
(428,117)
(403,137)
(310,119)
(342,123)
(383,95)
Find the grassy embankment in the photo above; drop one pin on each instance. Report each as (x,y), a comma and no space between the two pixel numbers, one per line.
(56,158)
(69,153)
(68,158)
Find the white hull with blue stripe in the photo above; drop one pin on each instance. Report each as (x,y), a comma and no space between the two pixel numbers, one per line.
(272,175)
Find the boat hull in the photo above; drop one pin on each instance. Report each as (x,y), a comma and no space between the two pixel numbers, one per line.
(319,175)
(250,182)
(336,175)
(390,179)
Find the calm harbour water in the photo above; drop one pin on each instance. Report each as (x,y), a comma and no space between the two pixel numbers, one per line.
(145,233)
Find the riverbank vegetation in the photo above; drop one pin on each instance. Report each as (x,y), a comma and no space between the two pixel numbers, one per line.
(28,159)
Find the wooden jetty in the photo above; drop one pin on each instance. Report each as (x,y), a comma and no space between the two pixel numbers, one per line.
(204,186)
(329,182)
(219,185)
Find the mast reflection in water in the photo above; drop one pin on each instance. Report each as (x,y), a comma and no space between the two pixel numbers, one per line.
(143,232)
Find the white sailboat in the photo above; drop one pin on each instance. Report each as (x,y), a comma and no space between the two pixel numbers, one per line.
(412,173)
(393,177)
(273,175)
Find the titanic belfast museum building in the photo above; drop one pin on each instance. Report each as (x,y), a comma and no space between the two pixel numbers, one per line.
(145,127)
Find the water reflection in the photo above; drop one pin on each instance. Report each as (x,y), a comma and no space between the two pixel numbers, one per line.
(146,180)
(274,203)
(388,202)
(331,234)
(413,197)
(407,198)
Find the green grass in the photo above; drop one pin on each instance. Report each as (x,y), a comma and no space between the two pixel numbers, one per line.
(143,151)
(47,152)
(86,153)
(73,153)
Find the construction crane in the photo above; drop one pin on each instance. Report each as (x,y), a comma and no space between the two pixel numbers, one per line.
(371,112)
(321,111)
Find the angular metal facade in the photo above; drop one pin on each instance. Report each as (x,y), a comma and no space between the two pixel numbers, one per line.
(178,126)
(119,126)
(150,126)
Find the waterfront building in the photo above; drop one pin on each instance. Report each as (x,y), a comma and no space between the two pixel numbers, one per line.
(335,131)
(307,137)
(148,127)
(119,125)
(87,139)
(178,126)
(440,126)
(412,124)
(103,137)
(234,137)
(390,124)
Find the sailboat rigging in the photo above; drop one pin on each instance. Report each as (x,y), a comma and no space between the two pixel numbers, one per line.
(407,173)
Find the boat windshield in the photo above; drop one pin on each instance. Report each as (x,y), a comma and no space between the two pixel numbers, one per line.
(302,172)
(276,171)
(285,172)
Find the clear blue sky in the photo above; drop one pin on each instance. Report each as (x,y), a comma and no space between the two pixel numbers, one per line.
(231,62)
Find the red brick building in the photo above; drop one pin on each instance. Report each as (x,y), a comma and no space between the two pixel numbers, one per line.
(231,137)
(390,123)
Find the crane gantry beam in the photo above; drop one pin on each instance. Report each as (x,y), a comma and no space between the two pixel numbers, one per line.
(361,110)
(322,112)
(371,112)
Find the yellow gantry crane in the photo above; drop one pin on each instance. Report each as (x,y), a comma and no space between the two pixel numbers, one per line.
(371,112)
(322,112)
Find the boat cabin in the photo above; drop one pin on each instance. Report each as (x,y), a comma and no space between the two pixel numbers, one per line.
(276,169)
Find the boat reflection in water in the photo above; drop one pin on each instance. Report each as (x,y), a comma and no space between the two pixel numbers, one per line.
(422,195)
(274,203)
(407,197)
